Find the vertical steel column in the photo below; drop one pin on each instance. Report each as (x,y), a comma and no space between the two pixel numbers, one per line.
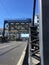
(40,32)
(44,31)
(4,29)
(34,7)
(32,24)
(30,58)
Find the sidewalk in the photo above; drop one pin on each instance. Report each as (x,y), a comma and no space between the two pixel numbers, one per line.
(34,60)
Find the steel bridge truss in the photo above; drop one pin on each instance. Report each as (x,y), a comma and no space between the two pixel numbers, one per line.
(16,27)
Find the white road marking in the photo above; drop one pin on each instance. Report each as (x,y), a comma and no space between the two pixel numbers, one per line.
(1,47)
(4,46)
(20,62)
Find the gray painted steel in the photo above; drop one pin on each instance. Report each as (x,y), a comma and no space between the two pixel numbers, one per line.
(44,31)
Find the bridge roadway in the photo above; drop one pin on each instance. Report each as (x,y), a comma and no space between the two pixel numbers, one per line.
(11,52)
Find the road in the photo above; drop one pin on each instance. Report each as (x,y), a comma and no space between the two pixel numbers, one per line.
(11,52)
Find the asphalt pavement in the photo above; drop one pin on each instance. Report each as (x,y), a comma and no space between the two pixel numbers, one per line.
(11,52)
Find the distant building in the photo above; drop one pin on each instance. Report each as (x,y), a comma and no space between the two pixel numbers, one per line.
(36,21)
(1,30)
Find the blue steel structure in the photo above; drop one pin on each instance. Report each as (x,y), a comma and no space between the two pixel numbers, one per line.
(34,41)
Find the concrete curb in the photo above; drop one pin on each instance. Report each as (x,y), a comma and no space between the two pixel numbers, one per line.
(20,62)
(30,58)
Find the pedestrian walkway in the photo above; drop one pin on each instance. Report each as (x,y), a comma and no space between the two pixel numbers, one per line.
(35,60)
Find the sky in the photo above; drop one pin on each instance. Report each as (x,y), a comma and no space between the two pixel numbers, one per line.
(14,9)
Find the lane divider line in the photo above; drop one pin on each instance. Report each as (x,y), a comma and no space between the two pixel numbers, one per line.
(4,46)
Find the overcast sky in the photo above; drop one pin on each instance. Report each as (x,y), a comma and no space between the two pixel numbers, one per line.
(13,9)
